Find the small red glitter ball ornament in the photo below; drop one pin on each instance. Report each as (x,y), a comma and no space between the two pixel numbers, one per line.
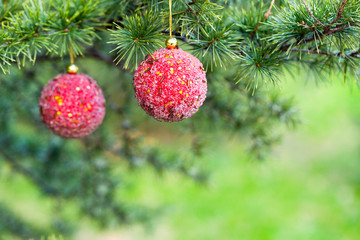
(72,105)
(170,84)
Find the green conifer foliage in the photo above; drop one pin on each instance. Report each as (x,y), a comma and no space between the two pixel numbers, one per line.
(245,45)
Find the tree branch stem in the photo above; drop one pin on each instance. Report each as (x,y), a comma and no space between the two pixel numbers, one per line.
(326,32)
(266,15)
(339,15)
(189,8)
(312,15)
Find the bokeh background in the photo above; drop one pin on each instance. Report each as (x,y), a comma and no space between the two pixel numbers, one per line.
(307,187)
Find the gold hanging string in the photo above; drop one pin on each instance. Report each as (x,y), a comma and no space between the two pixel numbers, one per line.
(171,42)
(71,55)
(170,17)
(4,3)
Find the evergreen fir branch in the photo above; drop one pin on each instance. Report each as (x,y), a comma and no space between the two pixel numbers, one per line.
(154,5)
(266,15)
(339,14)
(139,36)
(343,41)
(190,16)
(11,7)
(298,25)
(215,46)
(312,15)
(22,34)
(202,13)
(296,29)
(28,32)
(248,20)
(260,62)
(323,67)
(5,56)
(74,24)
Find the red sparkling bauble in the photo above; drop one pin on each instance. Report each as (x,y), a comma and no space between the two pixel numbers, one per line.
(170,85)
(72,105)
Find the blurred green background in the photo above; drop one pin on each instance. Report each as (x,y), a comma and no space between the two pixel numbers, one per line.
(307,188)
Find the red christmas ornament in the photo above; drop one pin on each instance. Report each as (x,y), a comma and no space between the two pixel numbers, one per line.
(72,105)
(170,85)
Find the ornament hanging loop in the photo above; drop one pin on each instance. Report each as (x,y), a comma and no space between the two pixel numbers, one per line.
(72,69)
(171,43)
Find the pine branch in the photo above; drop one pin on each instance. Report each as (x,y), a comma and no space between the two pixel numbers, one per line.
(190,9)
(139,36)
(191,17)
(53,26)
(355,54)
(312,15)
(326,33)
(339,14)
(257,64)
(215,46)
(57,25)
(266,15)
(301,26)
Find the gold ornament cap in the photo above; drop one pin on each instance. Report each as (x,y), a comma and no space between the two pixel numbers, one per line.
(171,43)
(72,69)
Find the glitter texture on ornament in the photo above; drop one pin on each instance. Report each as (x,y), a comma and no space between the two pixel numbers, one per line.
(72,105)
(170,85)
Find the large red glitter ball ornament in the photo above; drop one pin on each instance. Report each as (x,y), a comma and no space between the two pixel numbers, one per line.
(170,85)
(72,105)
